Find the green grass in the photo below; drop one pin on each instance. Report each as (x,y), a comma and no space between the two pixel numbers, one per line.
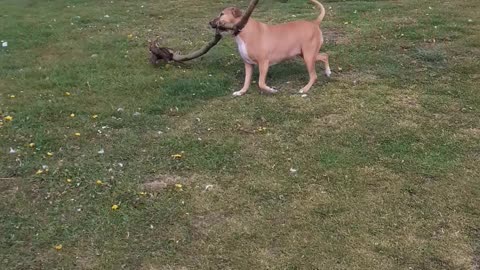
(386,152)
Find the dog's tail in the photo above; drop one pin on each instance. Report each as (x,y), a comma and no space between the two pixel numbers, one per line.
(319,19)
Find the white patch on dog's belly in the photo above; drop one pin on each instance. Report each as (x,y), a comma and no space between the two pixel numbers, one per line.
(242,49)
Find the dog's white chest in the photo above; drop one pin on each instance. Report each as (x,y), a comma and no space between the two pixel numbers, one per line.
(242,49)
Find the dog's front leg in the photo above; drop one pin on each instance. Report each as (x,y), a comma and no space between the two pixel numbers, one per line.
(263,70)
(248,79)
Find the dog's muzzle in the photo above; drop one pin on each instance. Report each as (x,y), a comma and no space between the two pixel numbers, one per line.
(214,23)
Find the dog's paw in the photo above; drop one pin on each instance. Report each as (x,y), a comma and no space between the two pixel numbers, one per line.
(238,93)
(328,73)
(271,91)
(302,91)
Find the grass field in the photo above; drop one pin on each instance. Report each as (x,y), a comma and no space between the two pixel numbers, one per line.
(377,168)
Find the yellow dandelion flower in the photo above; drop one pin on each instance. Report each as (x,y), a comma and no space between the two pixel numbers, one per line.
(115,207)
(77,134)
(94,116)
(69,180)
(49,154)
(39,172)
(130,36)
(67,94)
(31,145)
(177,156)
(99,182)
(12,96)
(178,186)
(72,115)
(142,193)
(8,118)
(58,247)
(261,129)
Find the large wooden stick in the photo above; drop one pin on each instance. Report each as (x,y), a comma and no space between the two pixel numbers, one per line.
(168,55)
(158,54)
(202,51)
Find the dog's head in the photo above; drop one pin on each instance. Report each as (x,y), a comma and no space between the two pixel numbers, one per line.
(228,15)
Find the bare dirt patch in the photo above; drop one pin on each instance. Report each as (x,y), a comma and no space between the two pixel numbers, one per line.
(407,124)
(335,37)
(160,182)
(206,223)
(9,186)
(409,101)
(358,78)
(333,121)
(471,132)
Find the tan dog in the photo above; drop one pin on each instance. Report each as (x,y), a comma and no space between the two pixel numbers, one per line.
(265,45)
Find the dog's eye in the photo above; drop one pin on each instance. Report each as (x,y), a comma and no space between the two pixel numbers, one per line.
(221,14)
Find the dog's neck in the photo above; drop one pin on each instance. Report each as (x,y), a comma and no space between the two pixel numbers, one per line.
(245,28)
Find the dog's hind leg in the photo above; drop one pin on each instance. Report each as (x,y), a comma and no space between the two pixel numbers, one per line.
(310,59)
(324,58)
(248,79)
(263,70)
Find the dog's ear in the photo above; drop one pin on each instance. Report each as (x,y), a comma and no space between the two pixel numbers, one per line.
(237,13)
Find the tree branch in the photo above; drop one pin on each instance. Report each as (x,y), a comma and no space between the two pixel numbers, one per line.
(202,51)
(158,54)
(166,54)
